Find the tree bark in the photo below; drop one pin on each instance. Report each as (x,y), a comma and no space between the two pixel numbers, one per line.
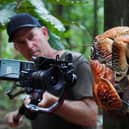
(95,31)
(116,13)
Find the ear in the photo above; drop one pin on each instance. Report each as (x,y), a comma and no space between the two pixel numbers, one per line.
(44,31)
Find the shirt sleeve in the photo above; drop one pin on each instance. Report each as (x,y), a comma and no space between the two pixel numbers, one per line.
(84,83)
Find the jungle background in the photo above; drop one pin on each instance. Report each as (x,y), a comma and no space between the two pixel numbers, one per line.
(72,24)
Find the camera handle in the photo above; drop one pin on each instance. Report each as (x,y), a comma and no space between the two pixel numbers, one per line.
(31,110)
(34,108)
(36,96)
(24,111)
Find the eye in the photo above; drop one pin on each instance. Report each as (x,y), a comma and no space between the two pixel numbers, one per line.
(31,36)
(20,42)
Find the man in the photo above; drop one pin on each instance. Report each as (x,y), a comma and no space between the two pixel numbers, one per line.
(79,110)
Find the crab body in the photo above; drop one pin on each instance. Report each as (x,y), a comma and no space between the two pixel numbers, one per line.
(110,71)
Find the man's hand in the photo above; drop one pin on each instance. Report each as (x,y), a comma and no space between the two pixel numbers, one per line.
(10,119)
(47,100)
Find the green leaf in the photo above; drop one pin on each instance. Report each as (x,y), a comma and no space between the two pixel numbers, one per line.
(55,41)
(6,11)
(68,2)
(6,1)
(46,16)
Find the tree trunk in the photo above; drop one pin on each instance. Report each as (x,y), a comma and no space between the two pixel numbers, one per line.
(95,31)
(116,13)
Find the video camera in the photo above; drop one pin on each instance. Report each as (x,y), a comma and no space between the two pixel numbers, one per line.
(37,76)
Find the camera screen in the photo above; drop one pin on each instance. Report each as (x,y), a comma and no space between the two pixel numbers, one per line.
(9,69)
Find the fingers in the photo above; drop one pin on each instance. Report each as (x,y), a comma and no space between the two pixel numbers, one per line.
(44,102)
(48,100)
(10,119)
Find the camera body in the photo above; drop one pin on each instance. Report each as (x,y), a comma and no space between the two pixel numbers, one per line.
(39,75)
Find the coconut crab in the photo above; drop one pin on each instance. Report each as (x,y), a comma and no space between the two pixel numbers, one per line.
(104,92)
(110,57)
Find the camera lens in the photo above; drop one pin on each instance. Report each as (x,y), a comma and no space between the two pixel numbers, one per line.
(53,80)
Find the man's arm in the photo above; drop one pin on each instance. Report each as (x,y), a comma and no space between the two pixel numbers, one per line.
(81,112)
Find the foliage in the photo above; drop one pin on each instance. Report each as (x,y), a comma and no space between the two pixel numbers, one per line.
(70,24)
(73,26)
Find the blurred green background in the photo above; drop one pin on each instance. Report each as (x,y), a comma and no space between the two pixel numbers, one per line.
(72,24)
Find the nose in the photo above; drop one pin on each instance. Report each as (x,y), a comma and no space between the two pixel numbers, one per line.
(29,44)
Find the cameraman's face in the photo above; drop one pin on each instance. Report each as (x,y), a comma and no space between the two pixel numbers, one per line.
(30,42)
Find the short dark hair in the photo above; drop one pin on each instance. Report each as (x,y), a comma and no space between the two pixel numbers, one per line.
(19,21)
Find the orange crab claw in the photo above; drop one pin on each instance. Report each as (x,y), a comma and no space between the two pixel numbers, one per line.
(106,95)
(104,92)
(100,71)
